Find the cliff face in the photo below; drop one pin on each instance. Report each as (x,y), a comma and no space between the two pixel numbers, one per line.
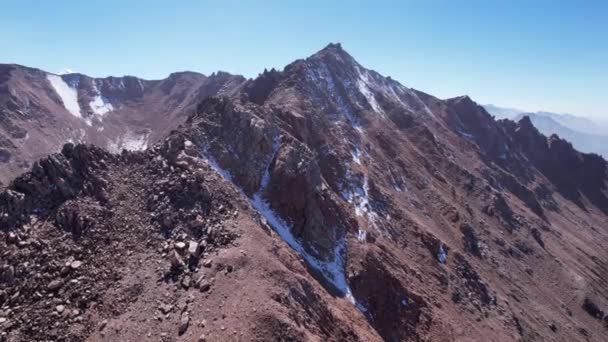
(330,202)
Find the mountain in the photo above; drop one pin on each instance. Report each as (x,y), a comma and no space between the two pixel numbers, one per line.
(573,122)
(41,111)
(586,135)
(501,112)
(586,142)
(321,202)
(577,123)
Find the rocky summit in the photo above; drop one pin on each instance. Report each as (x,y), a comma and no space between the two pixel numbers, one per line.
(320,202)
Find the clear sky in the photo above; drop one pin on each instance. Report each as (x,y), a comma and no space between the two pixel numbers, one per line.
(530,54)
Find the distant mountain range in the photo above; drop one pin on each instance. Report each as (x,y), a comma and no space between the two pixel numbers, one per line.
(585,134)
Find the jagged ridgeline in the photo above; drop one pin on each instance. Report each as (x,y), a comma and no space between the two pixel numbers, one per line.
(321,202)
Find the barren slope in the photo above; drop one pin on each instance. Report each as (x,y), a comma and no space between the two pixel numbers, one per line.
(41,111)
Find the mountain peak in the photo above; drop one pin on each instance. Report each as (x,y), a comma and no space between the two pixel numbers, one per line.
(334,46)
(463,99)
(333,51)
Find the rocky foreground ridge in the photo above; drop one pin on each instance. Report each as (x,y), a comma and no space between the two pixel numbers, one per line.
(321,202)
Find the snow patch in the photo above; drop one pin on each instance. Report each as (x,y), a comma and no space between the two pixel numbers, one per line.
(361,235)
(130,142)
(320,75)
(466,135)
(398,184)
(363,85)
(68,95)
(358,196)
(442,255)
(100,104)
(65,71)
(77,137)
(332,270)
(356,154)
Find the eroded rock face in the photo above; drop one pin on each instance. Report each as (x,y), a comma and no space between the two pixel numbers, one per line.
(294,184)
(397,314)
(248,157)
(469,289)
(12,207)
(296,192)
(59,177)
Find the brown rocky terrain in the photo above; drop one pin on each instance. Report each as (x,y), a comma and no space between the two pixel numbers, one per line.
(321,202)
(41,111)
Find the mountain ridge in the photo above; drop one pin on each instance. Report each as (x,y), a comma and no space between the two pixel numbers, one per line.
(41,111)
(336,204)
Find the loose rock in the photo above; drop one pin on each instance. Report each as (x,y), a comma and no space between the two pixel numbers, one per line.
(194,249)
(186,282)
(55,285)
(180,246)
(165,308)
(176,260)
(204,286)
(183,323)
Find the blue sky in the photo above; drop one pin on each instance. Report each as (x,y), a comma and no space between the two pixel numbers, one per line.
(534,54)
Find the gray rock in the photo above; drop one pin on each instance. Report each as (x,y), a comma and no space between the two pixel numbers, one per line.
(60,308)
(198,281)
(186,282)
(183,323)
(194,249)
(191,149)
(204,286)
(176,260)
(7,274)
(165,308)
(55,285)
(180,246)
(12,237)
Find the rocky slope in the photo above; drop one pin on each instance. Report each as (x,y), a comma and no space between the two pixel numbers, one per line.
(585,134)
(321,202)
(41,111)
(582,141)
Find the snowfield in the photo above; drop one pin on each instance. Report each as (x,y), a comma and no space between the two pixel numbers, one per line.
(100,105)
(68,95)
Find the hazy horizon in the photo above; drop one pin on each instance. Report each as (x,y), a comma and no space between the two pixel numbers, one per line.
(541,56)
